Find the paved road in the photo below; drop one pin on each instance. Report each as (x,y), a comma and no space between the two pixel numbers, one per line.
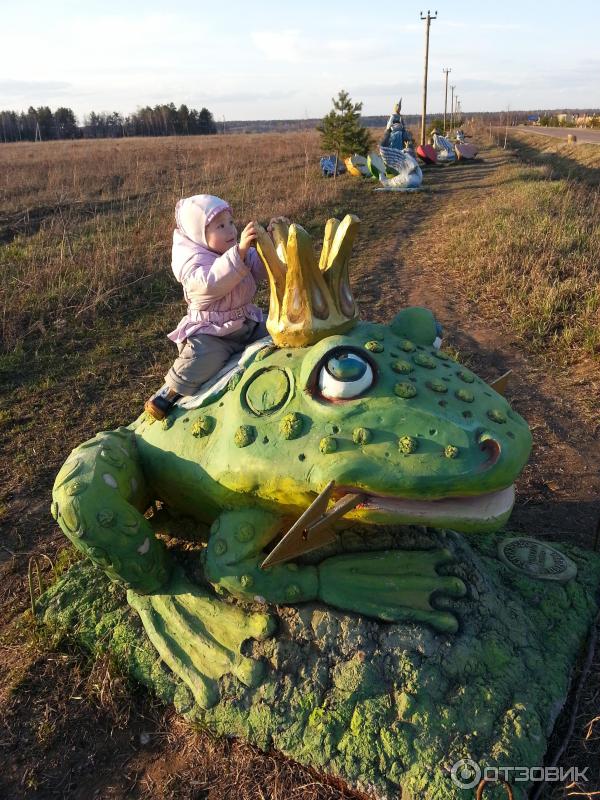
(583,134)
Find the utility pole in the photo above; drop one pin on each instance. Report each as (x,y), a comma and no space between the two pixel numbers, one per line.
(428,19)
(452,107)
(446,71)
(506,128)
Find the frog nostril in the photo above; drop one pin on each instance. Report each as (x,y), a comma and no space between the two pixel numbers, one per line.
(489,446)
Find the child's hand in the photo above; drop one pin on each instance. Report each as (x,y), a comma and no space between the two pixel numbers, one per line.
(277,219)
(248,236)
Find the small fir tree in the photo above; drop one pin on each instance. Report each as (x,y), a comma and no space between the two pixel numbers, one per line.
(341,131)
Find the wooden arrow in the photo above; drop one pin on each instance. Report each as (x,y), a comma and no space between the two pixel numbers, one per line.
(313,528)
(500,385)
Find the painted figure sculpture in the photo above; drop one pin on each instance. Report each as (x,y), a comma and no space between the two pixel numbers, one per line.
(444,149)
(346,596)
(375,417)
(405,169)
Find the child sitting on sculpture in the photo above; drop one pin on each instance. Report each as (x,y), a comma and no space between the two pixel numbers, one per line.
(219,278)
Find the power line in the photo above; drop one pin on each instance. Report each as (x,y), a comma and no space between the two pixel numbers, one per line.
(428,19)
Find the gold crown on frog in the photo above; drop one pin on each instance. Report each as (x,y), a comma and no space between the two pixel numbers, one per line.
(310,299)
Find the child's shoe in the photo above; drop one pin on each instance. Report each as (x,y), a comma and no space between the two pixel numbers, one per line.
(159,405)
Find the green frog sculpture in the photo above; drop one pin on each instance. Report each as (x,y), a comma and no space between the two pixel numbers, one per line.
(334,422)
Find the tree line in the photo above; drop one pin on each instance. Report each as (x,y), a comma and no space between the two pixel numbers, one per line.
(43,124)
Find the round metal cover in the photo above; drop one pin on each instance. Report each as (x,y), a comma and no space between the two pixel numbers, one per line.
(536,559)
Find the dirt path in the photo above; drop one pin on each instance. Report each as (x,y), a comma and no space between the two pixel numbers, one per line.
(558,493)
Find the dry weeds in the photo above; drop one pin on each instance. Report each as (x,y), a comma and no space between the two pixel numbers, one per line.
(579,161)
(86,225)
(533,245)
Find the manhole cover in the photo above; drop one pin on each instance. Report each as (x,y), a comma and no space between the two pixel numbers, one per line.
(536,559)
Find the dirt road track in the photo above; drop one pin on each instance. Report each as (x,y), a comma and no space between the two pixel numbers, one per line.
(583,134)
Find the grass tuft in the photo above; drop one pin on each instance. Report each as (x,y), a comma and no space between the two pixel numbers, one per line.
(531,249)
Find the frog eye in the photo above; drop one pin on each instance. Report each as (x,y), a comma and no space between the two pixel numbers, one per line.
(344,375)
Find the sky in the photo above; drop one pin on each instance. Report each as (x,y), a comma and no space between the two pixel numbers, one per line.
(269,60)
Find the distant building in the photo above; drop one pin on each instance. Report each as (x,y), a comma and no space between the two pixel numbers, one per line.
(533,119)
(564,118)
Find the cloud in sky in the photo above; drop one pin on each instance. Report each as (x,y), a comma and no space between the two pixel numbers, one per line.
(16,88)
(294,46)
(383,89)
(269,60)
(252,97)
(474,25)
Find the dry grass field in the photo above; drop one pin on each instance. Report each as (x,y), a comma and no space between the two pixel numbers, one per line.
(535,244)
(580,161)
(84,224)
(504,250)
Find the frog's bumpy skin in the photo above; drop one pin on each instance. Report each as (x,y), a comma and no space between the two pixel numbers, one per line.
(97,498)
(235,552)
(252,459)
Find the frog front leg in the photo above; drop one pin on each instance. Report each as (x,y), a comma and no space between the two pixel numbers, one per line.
(99,497)
(394,586)
(234,555)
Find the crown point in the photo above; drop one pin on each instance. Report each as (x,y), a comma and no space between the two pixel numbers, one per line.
(309,300)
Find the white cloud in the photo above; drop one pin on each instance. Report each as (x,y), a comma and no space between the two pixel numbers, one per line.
(251,96)
(406,87)
(16,88)
(295,46)
(280,45)
(238,64)
(104,44)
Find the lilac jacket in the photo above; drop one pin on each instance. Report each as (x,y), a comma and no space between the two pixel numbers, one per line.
(218,289)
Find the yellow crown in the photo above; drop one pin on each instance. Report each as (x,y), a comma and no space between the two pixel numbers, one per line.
(309,300)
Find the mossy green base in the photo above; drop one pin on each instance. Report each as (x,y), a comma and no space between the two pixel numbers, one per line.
(381,705)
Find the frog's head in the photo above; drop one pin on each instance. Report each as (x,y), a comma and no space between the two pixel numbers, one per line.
(383,412)
(378,409)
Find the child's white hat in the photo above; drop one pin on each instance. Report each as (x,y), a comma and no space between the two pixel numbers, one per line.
(194,213)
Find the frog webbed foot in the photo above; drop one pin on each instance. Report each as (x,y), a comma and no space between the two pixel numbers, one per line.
(392,585)
(200,637)
(397,585)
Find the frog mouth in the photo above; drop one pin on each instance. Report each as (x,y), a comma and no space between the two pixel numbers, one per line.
(313,529)
(481,509)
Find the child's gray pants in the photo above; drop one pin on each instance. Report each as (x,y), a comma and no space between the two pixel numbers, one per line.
(202,356)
